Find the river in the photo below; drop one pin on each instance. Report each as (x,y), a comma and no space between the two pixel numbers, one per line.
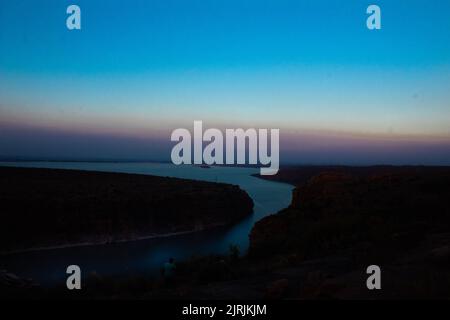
(48,267)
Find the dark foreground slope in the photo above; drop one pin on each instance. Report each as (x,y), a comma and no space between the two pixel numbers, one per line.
(47,207)
(345,219)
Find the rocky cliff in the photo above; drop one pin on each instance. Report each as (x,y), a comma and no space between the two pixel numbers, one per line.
(381,212)
(340,222)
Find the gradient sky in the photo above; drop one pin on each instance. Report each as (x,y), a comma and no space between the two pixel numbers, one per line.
(339,92)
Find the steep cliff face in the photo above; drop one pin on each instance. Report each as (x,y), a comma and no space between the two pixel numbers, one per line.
(372,216)
(41,207)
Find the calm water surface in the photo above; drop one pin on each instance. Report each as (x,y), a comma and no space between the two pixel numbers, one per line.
(147,256)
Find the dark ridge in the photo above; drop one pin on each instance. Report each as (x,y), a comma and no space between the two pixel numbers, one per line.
(50,207)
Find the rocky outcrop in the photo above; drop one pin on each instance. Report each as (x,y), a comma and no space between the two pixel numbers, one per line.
(373,215)
(46,207)
(399,220)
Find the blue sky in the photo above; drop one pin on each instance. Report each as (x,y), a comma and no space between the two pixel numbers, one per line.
(139,69)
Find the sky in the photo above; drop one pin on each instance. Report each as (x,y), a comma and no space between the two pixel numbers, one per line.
(339,92)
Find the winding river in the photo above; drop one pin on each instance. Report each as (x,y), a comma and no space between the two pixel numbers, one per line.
(48,267)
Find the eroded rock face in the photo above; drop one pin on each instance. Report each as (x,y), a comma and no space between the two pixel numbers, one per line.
(46,207)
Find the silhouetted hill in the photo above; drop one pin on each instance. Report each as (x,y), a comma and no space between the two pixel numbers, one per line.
(299,175)
(350,218)
(47,207)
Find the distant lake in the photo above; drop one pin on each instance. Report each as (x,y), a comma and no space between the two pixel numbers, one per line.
(147,256)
